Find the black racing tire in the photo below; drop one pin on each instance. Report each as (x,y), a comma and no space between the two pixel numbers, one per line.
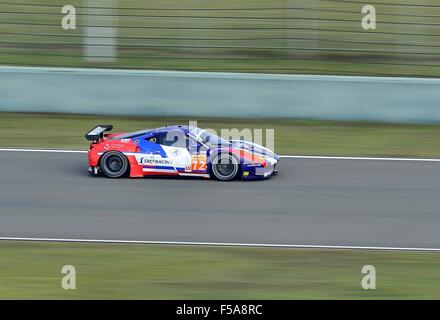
(114,164)
(225,167)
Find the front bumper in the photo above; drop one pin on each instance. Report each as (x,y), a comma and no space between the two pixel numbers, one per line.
(259,172)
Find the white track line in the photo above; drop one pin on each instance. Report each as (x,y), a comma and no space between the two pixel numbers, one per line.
(282,156)
(362,158)
(41,150)
(219,244)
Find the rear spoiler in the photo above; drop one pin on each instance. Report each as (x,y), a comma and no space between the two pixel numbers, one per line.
(98,132)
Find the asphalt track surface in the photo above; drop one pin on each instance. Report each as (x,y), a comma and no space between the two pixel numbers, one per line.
(311,202)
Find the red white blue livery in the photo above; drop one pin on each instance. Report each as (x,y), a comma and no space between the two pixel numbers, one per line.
(176,151)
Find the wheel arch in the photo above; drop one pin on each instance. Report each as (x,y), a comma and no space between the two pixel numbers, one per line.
(120,153)
(219,152)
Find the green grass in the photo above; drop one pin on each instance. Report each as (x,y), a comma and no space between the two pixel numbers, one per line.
(32,270)
(295,137)
(227,40)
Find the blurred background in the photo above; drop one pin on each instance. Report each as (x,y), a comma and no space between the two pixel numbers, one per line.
(277,36)
(387,115)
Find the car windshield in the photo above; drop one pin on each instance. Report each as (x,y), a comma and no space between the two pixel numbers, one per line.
(208,138)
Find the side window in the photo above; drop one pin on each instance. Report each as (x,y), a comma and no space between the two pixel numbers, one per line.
(176,139)
(159,138)
(197,144)
(169,139)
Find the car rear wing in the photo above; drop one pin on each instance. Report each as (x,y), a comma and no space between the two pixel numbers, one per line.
(97,133)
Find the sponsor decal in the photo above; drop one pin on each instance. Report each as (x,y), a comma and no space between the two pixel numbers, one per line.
(254,164)
(113,146)
(153,160)
(175,152)
(199,157)
(125,140)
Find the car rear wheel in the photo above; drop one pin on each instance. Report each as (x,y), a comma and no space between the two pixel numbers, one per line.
(225,167)
(114,164)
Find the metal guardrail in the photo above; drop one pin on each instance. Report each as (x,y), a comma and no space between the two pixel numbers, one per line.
(167,93)
(278,36)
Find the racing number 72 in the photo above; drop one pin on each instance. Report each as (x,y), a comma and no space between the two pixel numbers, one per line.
(198,163)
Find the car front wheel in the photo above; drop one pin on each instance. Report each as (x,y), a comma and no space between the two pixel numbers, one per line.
(225,167)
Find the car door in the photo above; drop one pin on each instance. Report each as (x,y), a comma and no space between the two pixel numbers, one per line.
(188,154)
(152,156)
(175,145)
(199,156)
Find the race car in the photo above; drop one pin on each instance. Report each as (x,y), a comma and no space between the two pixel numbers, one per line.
(176,150)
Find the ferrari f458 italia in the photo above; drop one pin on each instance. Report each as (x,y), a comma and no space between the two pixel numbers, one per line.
(176,151)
